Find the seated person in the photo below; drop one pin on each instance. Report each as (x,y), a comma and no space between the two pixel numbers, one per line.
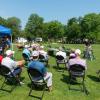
(77,60)
(27,51)
(41,67)
(14,66)
(72,54)
(42,52)
(60,52)
(35,46)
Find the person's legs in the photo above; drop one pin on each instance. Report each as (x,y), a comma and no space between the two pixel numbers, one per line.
(17,71)
(48,78)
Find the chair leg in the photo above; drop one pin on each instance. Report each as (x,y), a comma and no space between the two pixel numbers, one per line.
(31,89)
(58,66)
(69,81)
(43,92)
(83,85)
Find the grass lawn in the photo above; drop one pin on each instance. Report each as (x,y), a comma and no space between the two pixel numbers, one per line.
(60,81)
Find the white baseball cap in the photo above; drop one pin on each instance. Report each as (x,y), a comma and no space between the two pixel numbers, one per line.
(9,52)
(35,53)
(78,51)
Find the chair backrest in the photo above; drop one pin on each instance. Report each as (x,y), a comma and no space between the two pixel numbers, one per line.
(25,56)
(77,68)
(41,57)
(34,73)
(4,70)
(59,57)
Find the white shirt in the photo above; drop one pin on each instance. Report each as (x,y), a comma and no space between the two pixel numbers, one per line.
(11,64)
(62,54)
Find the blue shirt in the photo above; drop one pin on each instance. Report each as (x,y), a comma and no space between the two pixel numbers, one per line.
(38,65)
(8,42)
(27,52)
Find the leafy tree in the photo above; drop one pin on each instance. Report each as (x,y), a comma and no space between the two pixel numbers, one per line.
(73,29)
(90,24)
(55,30)
(15,24)
(34,26)
(72,20)
(3,21)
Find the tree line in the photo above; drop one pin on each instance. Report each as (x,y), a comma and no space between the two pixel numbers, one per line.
(74,31)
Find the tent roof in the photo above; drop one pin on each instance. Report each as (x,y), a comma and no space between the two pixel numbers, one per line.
(4,31)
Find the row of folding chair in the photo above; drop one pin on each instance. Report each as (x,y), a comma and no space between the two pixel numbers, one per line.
(33,74)
(75,71)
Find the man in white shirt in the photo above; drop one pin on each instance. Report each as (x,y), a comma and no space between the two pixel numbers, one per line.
(14,66)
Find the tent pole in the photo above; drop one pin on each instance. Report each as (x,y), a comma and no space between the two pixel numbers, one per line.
(11,43)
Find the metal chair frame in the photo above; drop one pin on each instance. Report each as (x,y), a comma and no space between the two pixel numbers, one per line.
(8,77)
(34,74)
(42,59)
(77,71)
(60,60)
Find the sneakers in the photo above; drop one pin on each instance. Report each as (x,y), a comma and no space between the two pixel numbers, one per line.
(22,83)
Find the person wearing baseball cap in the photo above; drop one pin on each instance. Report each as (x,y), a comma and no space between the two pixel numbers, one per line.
(35,63)
(77,60)
(9,52)
(26,51)
(14,66)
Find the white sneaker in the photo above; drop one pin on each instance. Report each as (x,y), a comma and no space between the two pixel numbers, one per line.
(22,83)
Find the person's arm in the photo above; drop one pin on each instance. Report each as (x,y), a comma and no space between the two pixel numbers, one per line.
(44,71)
(20,63)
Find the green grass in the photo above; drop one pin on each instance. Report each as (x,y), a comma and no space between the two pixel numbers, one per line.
(60,86)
